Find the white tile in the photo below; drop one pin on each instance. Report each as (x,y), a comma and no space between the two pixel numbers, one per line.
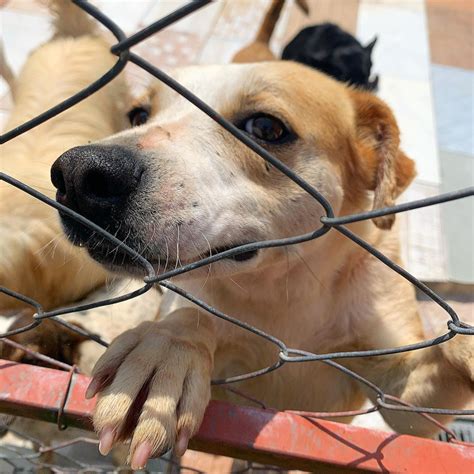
(402,49)
(453,91)
(22,33)
(423,244)
(412,104)
(458,216)
(128,15)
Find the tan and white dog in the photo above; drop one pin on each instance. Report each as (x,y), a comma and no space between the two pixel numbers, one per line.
(178,187)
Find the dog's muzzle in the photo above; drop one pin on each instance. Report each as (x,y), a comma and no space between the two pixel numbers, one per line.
(97,181)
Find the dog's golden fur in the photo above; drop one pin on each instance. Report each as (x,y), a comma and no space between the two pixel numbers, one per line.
(29,229)
(322,296)
(35,258)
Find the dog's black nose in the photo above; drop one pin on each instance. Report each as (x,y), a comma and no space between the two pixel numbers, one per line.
(96,180)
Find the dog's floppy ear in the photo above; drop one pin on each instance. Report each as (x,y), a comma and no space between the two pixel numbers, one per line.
(371,45)
(383,167)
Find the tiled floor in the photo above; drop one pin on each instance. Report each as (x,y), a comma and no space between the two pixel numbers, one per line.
(425,58)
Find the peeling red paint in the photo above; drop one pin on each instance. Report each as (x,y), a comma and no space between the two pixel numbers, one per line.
(267,436)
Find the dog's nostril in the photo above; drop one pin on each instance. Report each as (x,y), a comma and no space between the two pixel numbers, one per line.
(109,183)
(57,178)
(96,183)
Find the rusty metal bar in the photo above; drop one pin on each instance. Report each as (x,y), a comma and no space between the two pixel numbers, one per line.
(265,436)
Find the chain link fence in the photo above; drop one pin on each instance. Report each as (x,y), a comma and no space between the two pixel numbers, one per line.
(329,223)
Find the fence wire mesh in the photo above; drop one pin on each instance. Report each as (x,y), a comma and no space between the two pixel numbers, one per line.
(329,223)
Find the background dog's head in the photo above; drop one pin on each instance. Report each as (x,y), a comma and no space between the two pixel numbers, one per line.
(177,186)
(331,50)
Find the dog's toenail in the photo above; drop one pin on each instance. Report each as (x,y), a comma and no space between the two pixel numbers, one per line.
(182,442)
(93,388)
(141,455)
(106,439)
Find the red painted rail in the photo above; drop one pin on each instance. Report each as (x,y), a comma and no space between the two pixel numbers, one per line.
(266,436)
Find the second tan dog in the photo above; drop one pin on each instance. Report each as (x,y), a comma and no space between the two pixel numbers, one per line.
(259,49)
(178,187)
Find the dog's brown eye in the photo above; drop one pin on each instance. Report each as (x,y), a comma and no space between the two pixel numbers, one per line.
(267,128)
(138,116)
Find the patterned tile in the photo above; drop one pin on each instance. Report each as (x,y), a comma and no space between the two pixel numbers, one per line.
(453,90)
(171,49)
(240,20)
(450,25)
(411,101)
(402,48)
(199,23)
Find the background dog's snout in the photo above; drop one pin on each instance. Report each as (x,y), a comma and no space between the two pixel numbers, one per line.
(97,179)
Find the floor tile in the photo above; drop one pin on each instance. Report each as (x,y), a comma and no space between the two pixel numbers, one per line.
(240,20)
(220,50)
(450,26)
(424,253)
(199,23)
(458,216)
(125,13)
(453,91)
(342,12)
(171,49)
(21,33)
(411,101)
(402,46)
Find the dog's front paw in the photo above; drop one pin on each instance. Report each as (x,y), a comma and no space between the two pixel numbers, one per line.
(153,388)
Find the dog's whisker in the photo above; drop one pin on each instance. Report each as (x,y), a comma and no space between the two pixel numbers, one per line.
(305,263)
(209,267)
(177,263)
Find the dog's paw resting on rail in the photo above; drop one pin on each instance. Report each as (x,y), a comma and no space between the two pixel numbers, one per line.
(154,384)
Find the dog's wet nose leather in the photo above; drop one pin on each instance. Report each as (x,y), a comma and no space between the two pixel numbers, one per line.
(96,180)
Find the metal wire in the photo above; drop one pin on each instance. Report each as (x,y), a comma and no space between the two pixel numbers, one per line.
(329,223)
